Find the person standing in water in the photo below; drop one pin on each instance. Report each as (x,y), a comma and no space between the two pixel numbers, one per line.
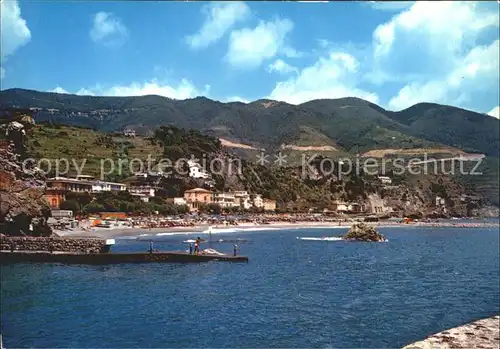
(235,248)
(190,248)
(150,246)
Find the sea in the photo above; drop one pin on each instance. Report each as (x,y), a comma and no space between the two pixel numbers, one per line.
(293,293)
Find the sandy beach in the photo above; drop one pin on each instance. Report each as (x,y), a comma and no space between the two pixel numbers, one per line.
(107,233)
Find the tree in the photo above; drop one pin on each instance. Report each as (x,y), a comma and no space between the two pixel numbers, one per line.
(70,205)
(93,207)
(211,208)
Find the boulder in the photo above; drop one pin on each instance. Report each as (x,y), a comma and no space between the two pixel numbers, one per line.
(363,232)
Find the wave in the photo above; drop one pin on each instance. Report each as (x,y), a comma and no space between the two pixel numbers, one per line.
(328,238)
(237,230)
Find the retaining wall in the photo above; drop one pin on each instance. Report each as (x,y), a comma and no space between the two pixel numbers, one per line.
(56,244)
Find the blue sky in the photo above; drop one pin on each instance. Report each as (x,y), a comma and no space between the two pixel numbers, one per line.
(393,54)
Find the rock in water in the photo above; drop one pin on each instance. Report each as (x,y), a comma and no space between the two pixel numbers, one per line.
(23,208)
(363,232)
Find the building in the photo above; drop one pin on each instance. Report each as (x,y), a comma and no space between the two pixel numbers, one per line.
(145,190)
(269,205)
(57,187)
(198,197)
(258,201)
(99,186)
(356,208)
(385,180)
(128,132)
(197,171)
(225,200)
(242,199)
(377,206)
(177,201)
(440,201)
(340,207)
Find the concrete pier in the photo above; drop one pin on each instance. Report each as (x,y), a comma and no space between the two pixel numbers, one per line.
(483,334)
(7,257)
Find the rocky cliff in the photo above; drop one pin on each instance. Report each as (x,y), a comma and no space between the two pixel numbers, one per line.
(23,208)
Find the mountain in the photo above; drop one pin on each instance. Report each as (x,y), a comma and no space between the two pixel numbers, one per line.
(350,124)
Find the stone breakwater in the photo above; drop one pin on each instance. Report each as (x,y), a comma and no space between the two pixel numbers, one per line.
(52,244)
(483,334)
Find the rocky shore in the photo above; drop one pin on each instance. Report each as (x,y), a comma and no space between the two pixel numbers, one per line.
(363,232)
(483,334)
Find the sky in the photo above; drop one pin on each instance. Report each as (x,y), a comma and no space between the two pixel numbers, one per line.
(394,54)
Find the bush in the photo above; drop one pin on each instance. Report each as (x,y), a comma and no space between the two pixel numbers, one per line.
(70,205)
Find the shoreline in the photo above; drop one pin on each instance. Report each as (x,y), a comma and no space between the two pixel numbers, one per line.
(124,233)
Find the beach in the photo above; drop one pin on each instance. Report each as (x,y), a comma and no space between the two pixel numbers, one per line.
(128,232)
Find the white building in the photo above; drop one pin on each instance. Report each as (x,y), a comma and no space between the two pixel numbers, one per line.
(242,199)
(129,132)
(258,201)
(225,200)
(385,179)
(144,190)
(440,201)
(99,186)
(179,201)
(196,170)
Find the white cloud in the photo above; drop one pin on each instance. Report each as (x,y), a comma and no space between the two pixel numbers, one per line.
(14,31)
(108,30)
(280,66)
(220,17)
(85,92)
(495,112)
(237,99)
(432,49)
(248,48)
(477,70)
(184,90)
(334,76)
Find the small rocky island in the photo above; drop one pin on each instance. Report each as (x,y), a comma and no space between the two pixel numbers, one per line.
(363,232)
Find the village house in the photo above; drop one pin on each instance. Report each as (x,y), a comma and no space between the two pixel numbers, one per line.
(242,198)
(196,170)
(340,207)
(258,201)
(177,201)
(198,197)
(225,200)
(356,208)
(269,205)
(377,206)
(57,187)
(144,192)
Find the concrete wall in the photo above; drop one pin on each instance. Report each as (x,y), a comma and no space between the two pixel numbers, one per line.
(87,245)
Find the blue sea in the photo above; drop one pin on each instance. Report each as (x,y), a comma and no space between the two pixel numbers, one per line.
(291,294)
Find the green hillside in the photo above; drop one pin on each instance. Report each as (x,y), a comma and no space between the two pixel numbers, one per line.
(351,123)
